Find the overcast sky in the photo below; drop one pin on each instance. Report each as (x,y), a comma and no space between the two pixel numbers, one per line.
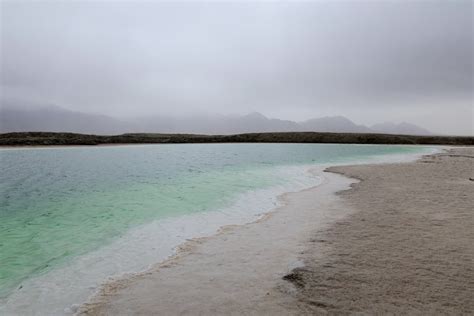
(370,61)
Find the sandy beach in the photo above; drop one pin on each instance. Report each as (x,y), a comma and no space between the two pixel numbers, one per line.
(392,238)
(407,249)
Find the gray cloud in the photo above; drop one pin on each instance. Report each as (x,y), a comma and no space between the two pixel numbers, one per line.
(371,61)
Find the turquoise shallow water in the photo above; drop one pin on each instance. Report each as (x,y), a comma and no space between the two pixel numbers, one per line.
(58,203)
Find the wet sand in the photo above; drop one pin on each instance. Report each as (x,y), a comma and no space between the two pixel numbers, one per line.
(407,249)
(400,241)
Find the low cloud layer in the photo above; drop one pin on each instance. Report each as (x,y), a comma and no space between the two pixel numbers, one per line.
(370,61)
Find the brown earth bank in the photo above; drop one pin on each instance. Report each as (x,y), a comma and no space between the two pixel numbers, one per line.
(63,139)
(408,247)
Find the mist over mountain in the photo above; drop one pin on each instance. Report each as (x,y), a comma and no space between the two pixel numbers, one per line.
(370,61)
(401,128)
(337,124)
(16,117)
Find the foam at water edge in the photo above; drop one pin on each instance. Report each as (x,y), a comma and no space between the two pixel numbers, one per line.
(399,158)
(59,291)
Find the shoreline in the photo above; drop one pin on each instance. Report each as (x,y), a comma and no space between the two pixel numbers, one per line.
(263,215)
(153,243)
(95,306)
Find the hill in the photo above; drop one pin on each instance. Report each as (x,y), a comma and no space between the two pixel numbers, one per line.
(46,139)
(17,116)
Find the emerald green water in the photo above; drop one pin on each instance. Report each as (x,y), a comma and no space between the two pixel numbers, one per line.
(63,202)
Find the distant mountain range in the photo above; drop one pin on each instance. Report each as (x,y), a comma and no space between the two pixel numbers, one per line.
(16,117)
